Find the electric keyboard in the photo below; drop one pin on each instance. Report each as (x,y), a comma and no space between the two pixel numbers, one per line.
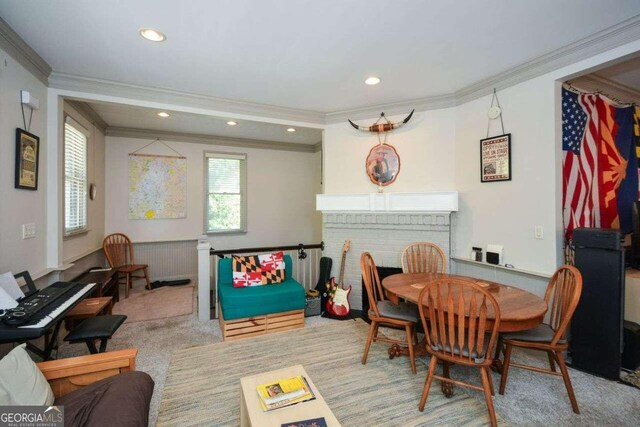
(48,313)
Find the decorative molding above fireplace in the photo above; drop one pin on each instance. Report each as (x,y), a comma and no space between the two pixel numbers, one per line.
(436,201)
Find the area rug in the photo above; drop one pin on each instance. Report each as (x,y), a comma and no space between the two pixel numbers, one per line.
(203,383)
(156,304)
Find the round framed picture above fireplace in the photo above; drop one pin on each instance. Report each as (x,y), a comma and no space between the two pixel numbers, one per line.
(383,164)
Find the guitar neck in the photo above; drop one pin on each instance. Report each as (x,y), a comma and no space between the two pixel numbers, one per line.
(344,257)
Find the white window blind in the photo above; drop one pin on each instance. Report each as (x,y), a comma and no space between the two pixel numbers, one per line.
(75,177)
(226,195)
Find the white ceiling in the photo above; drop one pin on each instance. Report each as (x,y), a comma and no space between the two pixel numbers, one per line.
(305,54)
(117,115)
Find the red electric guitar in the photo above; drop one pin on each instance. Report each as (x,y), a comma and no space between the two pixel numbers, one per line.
(338,303)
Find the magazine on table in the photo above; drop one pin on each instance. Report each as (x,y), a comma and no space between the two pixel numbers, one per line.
(284,392)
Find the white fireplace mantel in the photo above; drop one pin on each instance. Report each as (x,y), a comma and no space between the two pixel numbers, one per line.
(435,201)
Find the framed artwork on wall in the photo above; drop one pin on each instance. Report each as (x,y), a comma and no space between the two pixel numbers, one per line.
(495,158)
(27,154)
(383,164)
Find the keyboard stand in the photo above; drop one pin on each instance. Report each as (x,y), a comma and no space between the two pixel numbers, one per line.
(50,344)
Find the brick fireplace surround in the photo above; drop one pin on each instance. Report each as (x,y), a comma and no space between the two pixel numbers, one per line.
(383,224)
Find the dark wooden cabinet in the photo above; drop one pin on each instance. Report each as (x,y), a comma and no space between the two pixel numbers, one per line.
(106,281)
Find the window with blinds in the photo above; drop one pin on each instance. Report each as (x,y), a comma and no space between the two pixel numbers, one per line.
(75,178)
(226,192)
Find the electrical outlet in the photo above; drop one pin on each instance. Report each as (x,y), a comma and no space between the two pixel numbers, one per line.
(539,232)
(29,230)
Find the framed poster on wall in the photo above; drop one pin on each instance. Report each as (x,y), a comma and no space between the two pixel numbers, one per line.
(27,150)
(495,158)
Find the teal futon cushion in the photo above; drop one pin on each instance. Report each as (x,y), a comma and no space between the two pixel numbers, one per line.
(237,303)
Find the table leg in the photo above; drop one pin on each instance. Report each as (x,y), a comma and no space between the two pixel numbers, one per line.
(496,365)
(419,349)
(446,387)
(244,415)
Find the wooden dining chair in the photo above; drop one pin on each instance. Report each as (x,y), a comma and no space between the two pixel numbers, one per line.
(383,312)
(562,296)
(118,250)
(461,322)
(423,257)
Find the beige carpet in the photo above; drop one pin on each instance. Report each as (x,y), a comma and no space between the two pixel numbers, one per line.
(168,301)
(202,385)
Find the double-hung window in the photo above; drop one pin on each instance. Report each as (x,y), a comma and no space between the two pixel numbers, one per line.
(226,192)
(75,177)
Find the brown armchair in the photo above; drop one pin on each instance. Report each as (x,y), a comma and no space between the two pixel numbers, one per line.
(67,375)
(100,389)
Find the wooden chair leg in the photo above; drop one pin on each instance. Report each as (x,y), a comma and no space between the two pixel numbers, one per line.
(567,381)
(146,277)
(373,329)
(490,381)
(505,367)
(127,284)
(552,364)
(412,357)
(427,383)
(486,380)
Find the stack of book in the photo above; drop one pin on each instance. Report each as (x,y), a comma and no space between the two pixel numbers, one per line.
(284,392)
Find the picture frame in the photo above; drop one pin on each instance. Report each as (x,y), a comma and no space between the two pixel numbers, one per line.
(495,158)
(382,164)
(27,160)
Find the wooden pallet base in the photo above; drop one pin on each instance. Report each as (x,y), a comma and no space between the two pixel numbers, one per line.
(260,325)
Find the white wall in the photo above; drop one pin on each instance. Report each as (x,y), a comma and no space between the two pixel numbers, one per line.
(18,207)
(506,212)
(79,245)
(281,188)
(425,145)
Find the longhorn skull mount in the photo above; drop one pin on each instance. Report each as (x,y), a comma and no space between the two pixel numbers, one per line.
(378,127)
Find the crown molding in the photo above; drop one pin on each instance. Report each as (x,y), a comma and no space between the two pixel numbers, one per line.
(89,114)
(402,107)
(607,39)
(19,50)
(122,132)
(147,93)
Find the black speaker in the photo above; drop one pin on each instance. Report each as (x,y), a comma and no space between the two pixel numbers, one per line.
(596,327)
(631,352)
(493,258)
(635,236)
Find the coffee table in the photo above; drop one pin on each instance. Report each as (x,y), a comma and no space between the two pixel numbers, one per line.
(251,413)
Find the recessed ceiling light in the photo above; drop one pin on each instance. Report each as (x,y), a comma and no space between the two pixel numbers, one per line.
(372,80)
(163,114)
(232,123)
(291,130)
(152,35)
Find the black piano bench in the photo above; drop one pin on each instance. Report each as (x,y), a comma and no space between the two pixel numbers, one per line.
(96,328)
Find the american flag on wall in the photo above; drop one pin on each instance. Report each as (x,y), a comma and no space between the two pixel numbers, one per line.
(600,164)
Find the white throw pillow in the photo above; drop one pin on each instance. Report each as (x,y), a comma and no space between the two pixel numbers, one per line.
(21,382)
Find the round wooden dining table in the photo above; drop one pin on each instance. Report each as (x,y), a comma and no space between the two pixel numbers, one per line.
(519,310)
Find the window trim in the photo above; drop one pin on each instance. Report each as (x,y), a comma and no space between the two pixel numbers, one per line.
(243,192)
(82,129)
